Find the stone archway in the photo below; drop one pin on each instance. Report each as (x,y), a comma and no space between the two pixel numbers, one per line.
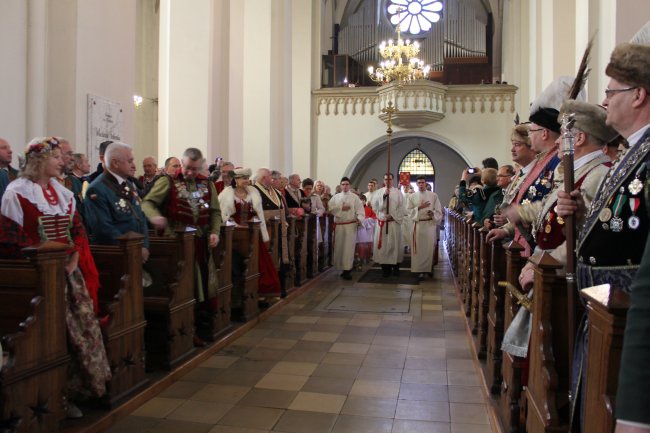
(371,161)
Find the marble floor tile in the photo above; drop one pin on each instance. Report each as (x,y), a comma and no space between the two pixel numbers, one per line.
(318,402)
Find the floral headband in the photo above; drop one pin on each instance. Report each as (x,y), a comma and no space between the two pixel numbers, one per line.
(45,145)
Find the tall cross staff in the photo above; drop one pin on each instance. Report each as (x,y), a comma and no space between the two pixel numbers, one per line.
(568,147)
(390,111)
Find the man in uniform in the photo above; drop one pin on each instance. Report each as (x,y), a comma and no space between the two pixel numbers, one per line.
(225,168)
(348,213)
(388,204)
(189,199)
(80,167)
(590,167)
(618,215)
(505,177)
(172,165)
(543,132)
(292,192)
(7,172)
(66,177)
(100,167)
(150,168)
(112,206)
(425,210)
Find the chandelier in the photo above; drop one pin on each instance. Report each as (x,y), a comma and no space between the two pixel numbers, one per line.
(400,62)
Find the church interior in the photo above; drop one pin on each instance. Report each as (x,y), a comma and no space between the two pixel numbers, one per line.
(299,87)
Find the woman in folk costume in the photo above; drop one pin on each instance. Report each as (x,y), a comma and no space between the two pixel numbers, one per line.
(37,208)
(242,203)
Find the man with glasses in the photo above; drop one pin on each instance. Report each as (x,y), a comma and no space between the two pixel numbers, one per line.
(613,237)
(348,213)
(543,131)
(505,177)
(189,199)
(425,210)
(388,204)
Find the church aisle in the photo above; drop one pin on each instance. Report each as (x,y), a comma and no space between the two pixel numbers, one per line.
(308,369)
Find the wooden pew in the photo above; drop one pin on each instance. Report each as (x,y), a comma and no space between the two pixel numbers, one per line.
(169,302)
(300,250)
(312,246)
(330,236)
(33,332)
(467,245)
(483,296)
(223,263)
(511,366)
(245,271)
(495,318)
(120,274)
(288,274)
(607,312)
(547,393)
(475,276)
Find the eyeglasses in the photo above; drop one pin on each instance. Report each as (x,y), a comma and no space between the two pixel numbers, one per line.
(609,92)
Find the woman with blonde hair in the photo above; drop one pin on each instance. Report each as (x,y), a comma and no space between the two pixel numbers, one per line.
(37,208)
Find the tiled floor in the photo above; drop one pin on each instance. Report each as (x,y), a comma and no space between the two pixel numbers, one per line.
(307,370)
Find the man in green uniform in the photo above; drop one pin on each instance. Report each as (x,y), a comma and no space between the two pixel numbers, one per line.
(189,199)
(112,206)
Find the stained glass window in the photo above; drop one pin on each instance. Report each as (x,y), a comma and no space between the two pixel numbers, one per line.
(417,163)
(414,16)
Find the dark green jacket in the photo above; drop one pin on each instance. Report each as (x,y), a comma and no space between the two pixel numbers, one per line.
(495,200)
(112,210)
(633,398)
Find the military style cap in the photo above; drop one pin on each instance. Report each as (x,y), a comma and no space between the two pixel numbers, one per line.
(544,110)
(242,172)
(630,64)
(520,133)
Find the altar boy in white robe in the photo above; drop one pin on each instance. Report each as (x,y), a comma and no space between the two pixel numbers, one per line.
(426,212)
(348,213)
(388,204)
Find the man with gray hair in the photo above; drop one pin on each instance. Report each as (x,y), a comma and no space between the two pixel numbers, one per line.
(112,205)
(189,199)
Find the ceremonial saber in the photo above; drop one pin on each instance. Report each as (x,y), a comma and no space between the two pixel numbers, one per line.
(568,148)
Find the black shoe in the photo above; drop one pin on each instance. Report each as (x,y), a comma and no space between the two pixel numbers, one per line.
(385,271)
(396,270)
(421,277)
(346,275)
(198,342)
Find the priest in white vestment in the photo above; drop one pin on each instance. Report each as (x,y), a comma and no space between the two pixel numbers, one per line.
(426,213)
(388,204)
(348,213)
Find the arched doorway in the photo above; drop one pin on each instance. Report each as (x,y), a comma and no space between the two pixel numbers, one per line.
(417,163)
(446,158)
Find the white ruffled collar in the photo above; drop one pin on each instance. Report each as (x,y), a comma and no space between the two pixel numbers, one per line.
(32,192)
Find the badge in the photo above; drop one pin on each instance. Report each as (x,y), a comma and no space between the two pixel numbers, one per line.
(122,203)
(560,220)
(205,205)
(532,192)
(547,229)
(605,215)
(616,224)
(196,194)
(633,222)
(635,187)
(605,226)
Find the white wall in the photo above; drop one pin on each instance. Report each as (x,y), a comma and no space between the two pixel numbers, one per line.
(13,73)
